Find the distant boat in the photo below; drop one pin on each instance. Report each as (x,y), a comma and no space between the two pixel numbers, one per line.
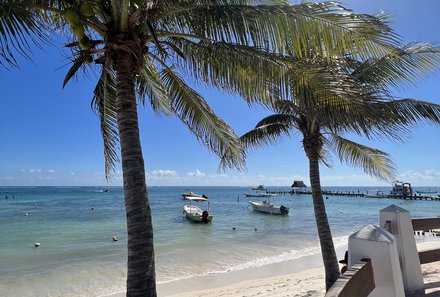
(268,207)
(105,190)
(260,191)
(378,194)
(401,189)
(195,213)
(193,195)
(259,188)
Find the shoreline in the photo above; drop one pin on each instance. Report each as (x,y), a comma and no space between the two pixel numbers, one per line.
(307,283)
(303,276)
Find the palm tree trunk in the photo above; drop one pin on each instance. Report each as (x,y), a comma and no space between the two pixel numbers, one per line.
(141,279)
(328,252)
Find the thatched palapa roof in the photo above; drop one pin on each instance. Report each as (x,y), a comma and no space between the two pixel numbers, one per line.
(298,184)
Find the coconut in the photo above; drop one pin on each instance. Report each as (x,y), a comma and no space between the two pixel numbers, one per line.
(89,59)
(86,10)
(72,17)
(78,31)
(84,43)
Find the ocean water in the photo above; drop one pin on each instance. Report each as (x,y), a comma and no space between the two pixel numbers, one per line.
(75,226)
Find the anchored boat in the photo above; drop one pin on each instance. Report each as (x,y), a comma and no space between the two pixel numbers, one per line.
(259,191)
(401,189)
(268,207)
(193,195)
(195,213)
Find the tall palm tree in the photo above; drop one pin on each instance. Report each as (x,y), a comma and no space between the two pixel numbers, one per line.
(139,48)
(331,98)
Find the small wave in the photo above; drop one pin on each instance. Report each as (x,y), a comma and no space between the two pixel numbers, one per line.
(258,262)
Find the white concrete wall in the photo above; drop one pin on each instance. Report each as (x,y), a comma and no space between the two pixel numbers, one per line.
(402,230)
(378,245)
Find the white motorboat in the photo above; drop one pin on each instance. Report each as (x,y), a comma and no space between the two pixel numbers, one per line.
(259,188)
(259,191)
(268,207)
(193,195)
(401,189)
(195,213)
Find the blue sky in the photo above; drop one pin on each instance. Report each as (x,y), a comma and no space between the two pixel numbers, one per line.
(50,136)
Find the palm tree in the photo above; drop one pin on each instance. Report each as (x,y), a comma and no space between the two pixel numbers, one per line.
(139,47)
(19,28)
(331,98)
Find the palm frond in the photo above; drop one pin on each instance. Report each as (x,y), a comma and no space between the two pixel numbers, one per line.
(372,161)
(150,85)
(201,120)
(19,27)
(325,155)
(104,104)
(264,135)
(79,61)
(327,28)
(290,121)
(255,75)
(410,111)
(402,67)
(258,137)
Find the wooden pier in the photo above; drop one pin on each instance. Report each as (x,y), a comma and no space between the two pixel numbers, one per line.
(358,194)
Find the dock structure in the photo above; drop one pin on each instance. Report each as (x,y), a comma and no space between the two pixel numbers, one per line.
(400,190)
(358,194)
(334,193)
(298,185)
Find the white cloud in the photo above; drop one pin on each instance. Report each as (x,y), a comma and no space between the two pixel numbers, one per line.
(197,173)
(9,178)
(72,173)
(51,171)
(34,170)
(426,177)
(163,173)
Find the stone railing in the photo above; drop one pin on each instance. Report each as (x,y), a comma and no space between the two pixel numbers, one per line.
(357,281)
(431,254)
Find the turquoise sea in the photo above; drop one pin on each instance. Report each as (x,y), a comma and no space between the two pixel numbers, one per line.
(75,226)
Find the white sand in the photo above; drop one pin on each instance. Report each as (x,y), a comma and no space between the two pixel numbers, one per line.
(302,277)
(286,279)
(299,277)
(431,278)
(308,283)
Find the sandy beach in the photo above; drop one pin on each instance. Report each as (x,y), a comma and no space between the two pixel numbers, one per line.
(300,277)
(309,283)
(274,281)
(296,278)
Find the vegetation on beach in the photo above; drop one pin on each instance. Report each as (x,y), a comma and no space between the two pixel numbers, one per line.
(314,58)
